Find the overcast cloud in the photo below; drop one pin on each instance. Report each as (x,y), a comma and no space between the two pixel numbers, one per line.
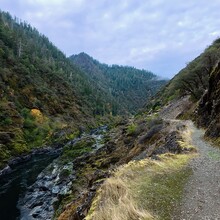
(157,35)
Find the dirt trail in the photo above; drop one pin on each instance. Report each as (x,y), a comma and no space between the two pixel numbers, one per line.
(201,200)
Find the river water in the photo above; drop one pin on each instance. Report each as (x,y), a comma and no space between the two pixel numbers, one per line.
(14,185)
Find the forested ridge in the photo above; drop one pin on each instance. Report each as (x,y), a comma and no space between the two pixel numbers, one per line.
(40,89)
(130,88)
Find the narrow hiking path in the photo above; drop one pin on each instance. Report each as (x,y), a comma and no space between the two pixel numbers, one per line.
(201,199)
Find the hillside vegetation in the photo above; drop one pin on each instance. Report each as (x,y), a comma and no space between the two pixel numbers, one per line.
(199,80)
(42,92)
(39,89)
(128,87)
(192,80)
(208,109)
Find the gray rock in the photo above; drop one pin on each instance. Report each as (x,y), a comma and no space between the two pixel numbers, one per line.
(6,170)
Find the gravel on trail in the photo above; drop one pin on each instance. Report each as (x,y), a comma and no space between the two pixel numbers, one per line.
(201,198)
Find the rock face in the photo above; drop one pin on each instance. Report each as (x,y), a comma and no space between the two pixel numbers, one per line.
(55,181)
(209,106)
(6,170)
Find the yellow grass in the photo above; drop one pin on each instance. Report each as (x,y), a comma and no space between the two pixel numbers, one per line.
(145,189)
(142,190)
(114,201)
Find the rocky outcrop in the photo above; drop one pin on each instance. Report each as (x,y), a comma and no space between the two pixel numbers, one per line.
(52,183)
(5,170)
(171,144)
(26,157)
(56,182)
(209,106)
(176,108)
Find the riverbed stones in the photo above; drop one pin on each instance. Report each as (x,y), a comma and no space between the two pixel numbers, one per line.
(53,183)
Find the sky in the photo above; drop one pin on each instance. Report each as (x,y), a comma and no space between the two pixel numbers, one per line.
(157,35)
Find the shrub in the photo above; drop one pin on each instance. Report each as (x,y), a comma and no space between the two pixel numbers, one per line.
(153,120)
(131,129)
(6,121)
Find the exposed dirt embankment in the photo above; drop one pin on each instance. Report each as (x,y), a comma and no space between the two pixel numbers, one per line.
(175,108)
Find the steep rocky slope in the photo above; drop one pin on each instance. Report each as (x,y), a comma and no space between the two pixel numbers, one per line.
(209,106)
(193,80)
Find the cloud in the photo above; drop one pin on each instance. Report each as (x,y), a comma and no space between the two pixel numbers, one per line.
(159,35)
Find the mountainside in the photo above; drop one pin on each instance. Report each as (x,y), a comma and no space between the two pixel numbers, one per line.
(41,91)
(130,88)
(139,190)
(199,80)
(208,109)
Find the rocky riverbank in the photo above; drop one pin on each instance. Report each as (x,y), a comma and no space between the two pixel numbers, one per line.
(26,157)
(55,181)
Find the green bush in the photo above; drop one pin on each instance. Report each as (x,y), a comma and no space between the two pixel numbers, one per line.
(131,129)
(6,121)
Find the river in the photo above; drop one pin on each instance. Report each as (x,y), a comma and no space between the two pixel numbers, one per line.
(14,186)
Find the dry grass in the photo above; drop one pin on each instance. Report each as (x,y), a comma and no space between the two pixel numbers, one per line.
(145,189)
(186,143)
(115,202)
(187,135)
(159,187)
(142,190)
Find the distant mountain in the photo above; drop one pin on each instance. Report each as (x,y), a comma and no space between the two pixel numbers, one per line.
(129,87)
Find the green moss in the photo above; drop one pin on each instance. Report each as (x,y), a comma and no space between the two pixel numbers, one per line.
(72,135)
(72,151)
